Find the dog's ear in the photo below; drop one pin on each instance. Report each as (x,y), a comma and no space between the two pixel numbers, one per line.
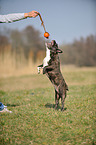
(59,50)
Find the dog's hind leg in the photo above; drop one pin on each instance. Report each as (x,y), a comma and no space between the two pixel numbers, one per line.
(56,99)
(63,99)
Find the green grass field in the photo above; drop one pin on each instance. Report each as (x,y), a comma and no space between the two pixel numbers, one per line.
(35,121)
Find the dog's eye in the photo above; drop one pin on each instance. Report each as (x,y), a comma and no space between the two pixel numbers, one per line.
(53,42)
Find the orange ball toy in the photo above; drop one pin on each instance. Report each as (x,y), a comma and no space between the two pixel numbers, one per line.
(46,34)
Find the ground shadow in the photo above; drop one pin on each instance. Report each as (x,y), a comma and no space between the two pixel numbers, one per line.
(48,105)
(12,105)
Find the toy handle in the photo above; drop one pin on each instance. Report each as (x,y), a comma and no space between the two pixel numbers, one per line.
(42,22)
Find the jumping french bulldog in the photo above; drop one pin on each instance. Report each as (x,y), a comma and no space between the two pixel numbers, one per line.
(51,67)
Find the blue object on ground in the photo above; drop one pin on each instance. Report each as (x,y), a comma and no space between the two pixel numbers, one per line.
(1,106)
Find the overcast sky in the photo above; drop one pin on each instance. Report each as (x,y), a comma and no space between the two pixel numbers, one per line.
(65,20)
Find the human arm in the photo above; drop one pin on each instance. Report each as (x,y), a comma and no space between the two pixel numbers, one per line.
(9,18)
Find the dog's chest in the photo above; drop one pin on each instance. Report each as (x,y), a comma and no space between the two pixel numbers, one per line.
(47,58)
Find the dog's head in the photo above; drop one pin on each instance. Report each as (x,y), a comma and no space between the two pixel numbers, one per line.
(53,47)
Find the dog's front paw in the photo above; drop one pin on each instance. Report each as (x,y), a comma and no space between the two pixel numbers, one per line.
(44,70)
(38,70)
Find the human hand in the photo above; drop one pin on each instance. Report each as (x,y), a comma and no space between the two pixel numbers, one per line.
(31,14)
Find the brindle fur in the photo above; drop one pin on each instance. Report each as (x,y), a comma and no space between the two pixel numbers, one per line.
(54,74)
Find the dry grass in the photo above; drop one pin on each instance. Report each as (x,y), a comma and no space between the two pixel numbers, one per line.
(17,65)
(31,80)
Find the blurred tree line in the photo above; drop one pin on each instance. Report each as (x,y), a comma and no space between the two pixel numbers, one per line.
(29,43)
(81,52)
(25,41)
